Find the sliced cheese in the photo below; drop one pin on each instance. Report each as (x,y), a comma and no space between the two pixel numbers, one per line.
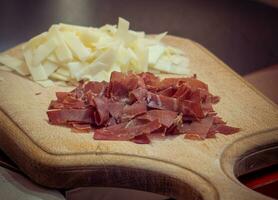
(42,52)
(166,65)
(90,36)
(123,26)
(37,72)
(116,68)
(61,83)
(110,29)
(93,69)
(123,33)
(69,53)
(62,51)
(53,58)
(101,76)
(155,52)
(71,28)
(160,36)
(63,72)
(10,61)
(75,69)
(46,83)
(108,57)
(59,77)
(49,67)
(37,40)
(76,46)
(14,63)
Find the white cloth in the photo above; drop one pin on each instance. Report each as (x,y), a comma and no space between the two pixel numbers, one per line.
(14,186)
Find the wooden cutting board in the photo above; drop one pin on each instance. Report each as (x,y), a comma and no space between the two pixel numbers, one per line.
(55,157)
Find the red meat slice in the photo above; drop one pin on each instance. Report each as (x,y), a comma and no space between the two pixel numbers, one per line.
(201,128)
(126,131)
(137,106)
(165,117)
(63,116)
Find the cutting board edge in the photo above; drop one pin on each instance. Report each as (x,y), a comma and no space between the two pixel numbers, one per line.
(65,171)
(222,64)
(49,164)
(226,67)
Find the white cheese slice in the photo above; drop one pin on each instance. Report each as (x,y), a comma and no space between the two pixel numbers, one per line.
(37,40)
(140,34)
(108,57)
(59,77)
(46,83)
(42,52)
(53,58)
(123,33)
(49,67)
(63,72)
(155,52)
(90,36)
(75,69)
(123,57)
(166,65)
(142,55)
(72,28)
(104,41)
(69,53)
(132,54)
(94,68)
(76,46)
(160,36)
(110,29)
(14,63)
(63,53)
(60,83)
(37,72)
(10,61)
(116,68)
(123,26)
(101,76)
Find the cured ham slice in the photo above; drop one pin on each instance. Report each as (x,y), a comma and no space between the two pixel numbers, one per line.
(126,131)
(102,112)
(197,129)
(63,116)
(135,107)
(165,117)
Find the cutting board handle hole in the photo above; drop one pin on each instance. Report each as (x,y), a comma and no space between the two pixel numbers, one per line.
(258,169)
(138,179)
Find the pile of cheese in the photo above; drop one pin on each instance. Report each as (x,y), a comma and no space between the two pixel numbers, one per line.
(68,53)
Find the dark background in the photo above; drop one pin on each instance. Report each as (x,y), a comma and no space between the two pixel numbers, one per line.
(244,34)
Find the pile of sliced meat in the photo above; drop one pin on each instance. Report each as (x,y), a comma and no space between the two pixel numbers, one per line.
(137,107)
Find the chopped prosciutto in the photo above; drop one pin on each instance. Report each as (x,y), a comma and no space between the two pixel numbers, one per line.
(165,117)
(127,132)
(63,116)
(141,139)
(200,128)
(135,107)
(102,112)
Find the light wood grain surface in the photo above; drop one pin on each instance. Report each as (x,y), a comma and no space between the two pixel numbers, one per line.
(56,157)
